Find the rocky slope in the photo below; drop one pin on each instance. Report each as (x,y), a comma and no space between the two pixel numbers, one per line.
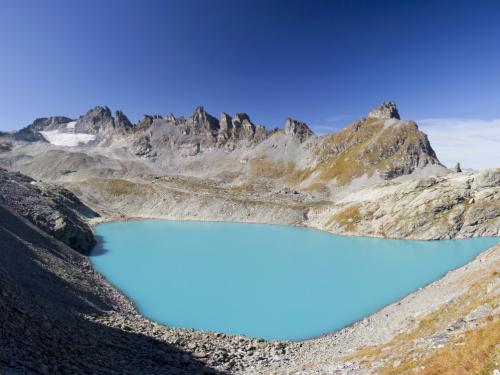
(55,210)
(51,304)
(70,320)
(456,206)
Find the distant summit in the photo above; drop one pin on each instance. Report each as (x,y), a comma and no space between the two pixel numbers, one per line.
(385,110)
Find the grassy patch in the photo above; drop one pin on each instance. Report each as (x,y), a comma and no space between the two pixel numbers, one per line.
(348,217)
(365,148)
(476,351)
(118,187)
(286,170)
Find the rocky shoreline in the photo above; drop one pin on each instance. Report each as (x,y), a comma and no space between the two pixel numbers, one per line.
(332,352)
(206,352)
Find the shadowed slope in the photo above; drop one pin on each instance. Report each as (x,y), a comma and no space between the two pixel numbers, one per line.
(47,292)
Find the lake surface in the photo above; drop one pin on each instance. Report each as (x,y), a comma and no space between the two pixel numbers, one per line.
(267,281)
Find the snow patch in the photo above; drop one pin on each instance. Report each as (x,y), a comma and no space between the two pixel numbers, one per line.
(71,125)
(67,139)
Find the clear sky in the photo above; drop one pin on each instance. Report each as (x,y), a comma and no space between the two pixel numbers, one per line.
(323,62)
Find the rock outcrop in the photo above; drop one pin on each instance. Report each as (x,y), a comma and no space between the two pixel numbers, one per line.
(55,210)
(487,178)
(385,110)
(455,206)
(298,130)
(5,146)
(49,123)
(100,121)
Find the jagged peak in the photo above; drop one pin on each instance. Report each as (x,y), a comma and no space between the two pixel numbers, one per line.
(121,119)
(200,110)
(99,110)
(386,110)
(241,117)
(297,129)
(200,113)
(225,121)
(47,122)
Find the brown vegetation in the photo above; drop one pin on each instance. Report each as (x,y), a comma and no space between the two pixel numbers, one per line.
(474,351)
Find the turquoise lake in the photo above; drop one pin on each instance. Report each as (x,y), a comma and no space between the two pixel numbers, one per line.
(267,281)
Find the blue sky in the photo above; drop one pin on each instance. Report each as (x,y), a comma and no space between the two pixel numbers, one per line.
(323,62)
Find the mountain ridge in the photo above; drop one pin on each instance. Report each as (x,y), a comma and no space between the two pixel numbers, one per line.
(378,147)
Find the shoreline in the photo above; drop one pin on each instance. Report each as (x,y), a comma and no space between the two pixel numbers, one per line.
(110,219)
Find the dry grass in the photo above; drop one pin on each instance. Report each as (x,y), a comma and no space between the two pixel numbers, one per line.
(364,148)
(286,170)
(348,217)
(476,351)
(119,187)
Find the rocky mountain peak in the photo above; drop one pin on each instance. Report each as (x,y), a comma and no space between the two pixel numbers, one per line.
(97,114)
(31,133)
(385,110)
(225,122)
(95,120)
(122,120)
(297,129)
(373,148)
(200,120)
(48,123)
(240,117)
